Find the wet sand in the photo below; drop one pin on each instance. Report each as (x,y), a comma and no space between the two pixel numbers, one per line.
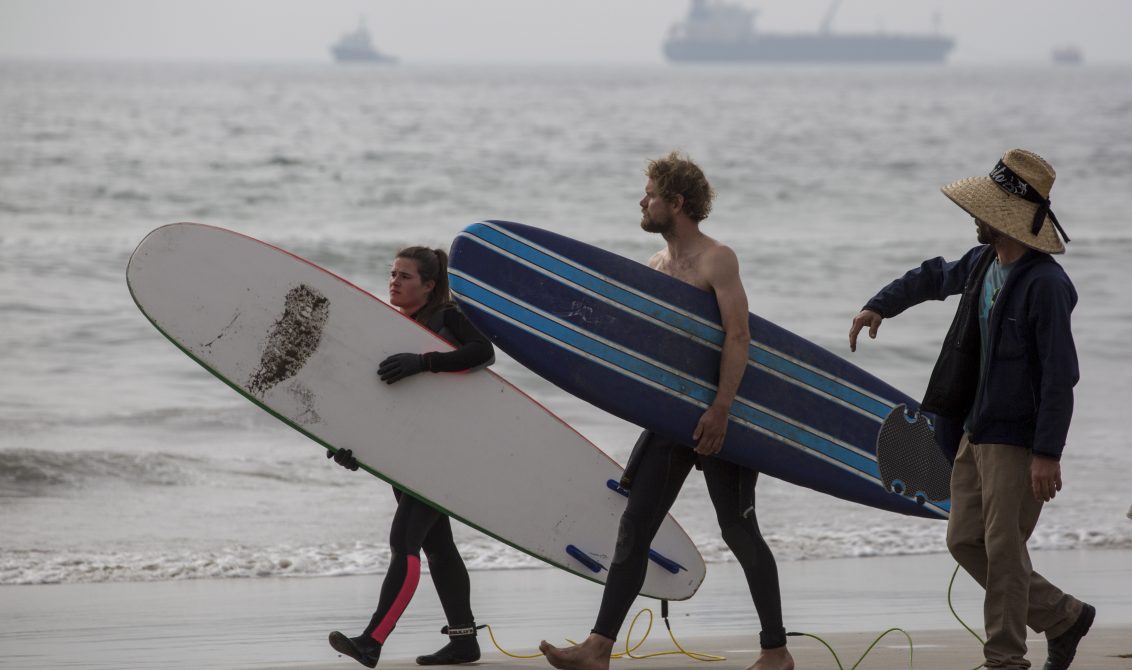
(241,624)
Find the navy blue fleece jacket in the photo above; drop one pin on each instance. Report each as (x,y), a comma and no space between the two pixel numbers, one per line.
(1025,395)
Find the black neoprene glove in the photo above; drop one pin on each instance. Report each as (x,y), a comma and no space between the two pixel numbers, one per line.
(343,457)
(398,366)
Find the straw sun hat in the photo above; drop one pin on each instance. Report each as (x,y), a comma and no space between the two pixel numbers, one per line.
(1014,200)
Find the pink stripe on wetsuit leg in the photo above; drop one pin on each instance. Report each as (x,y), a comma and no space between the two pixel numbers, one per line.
(412,578)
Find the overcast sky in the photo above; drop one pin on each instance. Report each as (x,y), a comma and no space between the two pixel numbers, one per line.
(523,31)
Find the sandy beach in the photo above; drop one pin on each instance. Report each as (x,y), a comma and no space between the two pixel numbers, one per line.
(240,624)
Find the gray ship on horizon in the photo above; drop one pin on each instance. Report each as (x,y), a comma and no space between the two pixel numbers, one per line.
(357,47)
(718,32)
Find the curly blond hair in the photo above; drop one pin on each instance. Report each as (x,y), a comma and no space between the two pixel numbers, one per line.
(676,174)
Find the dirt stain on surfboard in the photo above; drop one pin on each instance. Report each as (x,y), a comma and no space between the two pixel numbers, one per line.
(305,414)
(292,340)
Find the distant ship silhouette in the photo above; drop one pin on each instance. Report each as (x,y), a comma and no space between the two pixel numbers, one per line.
(357,47)
(716,31)
(1067,55)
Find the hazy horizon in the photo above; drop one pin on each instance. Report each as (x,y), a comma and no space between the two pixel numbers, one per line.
(524,31)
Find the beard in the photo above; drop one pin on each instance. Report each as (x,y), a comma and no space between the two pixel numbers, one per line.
(656,225)
(987,235)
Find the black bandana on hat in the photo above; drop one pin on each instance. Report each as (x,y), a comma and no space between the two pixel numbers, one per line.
(1009,181)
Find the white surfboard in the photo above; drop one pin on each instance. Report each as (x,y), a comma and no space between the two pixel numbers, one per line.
(304,345)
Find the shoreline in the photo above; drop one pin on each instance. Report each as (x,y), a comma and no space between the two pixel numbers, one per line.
(241,624)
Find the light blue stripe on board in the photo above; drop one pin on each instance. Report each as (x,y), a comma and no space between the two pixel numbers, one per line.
(582,341)
(810,378)
(595,283)
(625,362)
(664,314)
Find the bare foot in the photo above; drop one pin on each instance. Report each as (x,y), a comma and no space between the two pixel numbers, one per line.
(591,654)
(774,659)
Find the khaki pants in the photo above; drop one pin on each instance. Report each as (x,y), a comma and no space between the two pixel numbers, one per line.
(993,513)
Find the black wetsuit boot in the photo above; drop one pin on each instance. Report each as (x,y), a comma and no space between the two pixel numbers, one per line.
(363,649)
(461,648)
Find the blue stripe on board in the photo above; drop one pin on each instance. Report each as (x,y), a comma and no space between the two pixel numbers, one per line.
(582,341)
(594,283)
(814,380)
(622,360)
(667,315)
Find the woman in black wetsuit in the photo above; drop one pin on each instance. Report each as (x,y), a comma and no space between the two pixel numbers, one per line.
(418,286)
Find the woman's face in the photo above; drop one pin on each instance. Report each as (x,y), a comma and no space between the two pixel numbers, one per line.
(406,291)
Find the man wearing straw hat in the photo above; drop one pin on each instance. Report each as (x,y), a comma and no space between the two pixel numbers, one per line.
(1002,392)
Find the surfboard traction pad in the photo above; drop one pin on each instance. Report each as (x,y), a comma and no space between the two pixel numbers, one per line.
(911,463)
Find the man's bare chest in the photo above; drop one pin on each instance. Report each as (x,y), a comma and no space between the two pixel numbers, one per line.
(687,271)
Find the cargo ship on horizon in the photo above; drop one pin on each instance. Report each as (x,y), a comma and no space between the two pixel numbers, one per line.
(357,47)
(716,31)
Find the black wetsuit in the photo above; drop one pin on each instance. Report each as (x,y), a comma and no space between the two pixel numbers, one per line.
(661,470)
(418,526)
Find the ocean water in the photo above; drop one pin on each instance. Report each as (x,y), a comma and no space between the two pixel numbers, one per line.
(121,459)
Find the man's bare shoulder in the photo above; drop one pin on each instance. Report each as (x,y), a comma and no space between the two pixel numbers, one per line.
(718,252)
(721,271)
(719,264)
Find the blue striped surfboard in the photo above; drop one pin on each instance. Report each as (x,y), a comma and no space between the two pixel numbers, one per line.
(645,347)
